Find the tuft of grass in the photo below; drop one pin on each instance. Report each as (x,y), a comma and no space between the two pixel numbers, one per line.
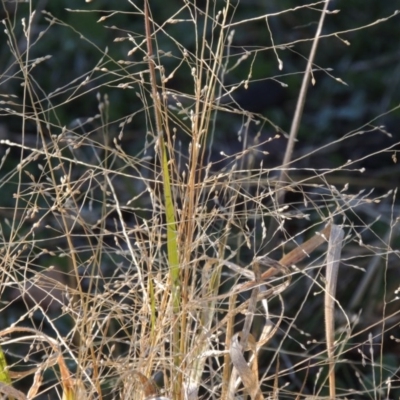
(160,239)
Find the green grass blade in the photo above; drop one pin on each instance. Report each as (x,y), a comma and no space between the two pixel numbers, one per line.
(172,237)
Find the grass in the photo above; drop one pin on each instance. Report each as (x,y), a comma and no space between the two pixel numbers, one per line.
(152,244)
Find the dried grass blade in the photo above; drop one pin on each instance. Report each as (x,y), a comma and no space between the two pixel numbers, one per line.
(211,275)
(12,393)
(332,268)
(248,376)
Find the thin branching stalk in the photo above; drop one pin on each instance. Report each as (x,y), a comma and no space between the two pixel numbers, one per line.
(283,175)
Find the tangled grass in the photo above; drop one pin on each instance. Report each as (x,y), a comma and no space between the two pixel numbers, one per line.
(143,246)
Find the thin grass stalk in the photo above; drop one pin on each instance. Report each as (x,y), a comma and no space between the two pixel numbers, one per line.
(294,129)
(332,268)
(211,276)
(199,131)
(29,93)
(172,237)
(191,195)
(212,273)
